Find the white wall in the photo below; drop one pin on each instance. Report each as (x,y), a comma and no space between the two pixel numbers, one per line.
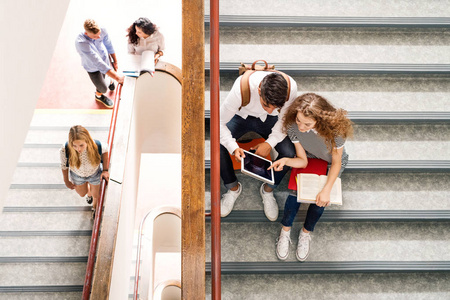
(29,30)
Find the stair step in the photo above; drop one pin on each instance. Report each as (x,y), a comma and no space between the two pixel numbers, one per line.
(42,274)
(69,117)
(42,259)
(45,197)
(331,267)
(390,166)
(42,221)
(51,136)
(346,216)
(345,68)
(386,117)
(42,289)
(328,21)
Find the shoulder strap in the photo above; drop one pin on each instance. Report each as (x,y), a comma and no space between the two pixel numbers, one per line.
(245,88)
(99,148)
(66,148)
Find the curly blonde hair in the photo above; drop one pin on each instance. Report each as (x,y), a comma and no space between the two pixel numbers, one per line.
(330,122)
(78,132)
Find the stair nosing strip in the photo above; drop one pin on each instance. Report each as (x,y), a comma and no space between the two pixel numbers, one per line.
(42,259)
(13,209)
(24,233)
(41,288)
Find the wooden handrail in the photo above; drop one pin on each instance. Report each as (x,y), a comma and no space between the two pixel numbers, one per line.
(215,151)
(98,213)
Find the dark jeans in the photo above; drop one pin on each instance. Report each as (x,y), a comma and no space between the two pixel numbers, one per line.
(98,79)
(238,127)
(290,211)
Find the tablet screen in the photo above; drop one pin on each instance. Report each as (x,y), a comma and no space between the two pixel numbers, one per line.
(258,166)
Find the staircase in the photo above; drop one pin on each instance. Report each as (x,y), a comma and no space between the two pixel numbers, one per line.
(45,227)
(388,64)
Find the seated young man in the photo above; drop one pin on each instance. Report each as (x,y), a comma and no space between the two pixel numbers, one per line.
(262,115)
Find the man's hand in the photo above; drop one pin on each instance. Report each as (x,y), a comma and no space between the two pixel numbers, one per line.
(262,149)
(238,154)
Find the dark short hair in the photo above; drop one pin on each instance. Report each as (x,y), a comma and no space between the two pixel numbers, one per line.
(145,25)
(274,89)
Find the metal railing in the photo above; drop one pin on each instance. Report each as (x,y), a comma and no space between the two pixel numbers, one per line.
(98,213)
(215,151)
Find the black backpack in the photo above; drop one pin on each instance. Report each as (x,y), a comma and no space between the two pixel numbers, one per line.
(99,147)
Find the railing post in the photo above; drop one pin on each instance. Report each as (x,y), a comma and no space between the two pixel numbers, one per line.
(215,149)
(193,151)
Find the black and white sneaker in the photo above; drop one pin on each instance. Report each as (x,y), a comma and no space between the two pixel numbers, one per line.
(89,199)
(105,101)
(112,86)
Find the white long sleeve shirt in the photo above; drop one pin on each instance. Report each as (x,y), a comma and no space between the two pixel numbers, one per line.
(230,107)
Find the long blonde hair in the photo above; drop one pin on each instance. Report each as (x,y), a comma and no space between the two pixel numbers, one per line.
(330,122)
(78,132)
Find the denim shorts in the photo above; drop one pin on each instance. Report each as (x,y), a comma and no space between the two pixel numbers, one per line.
(94,179)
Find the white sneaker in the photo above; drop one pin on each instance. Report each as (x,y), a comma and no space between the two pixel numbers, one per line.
(283,242)
(270,204)
(227,201)
(304,240)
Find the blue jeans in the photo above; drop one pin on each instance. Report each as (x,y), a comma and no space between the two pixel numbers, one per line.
(238,127)
(290,211)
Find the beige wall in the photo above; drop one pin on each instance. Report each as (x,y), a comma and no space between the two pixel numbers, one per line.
(29,31)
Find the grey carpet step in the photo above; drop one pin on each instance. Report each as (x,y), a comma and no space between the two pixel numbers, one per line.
(386,117)
(42,259)
(35,209)
(391,166)
(42,274)
(342,286)
(338,241)
(366,101)
(363,8)
(46,221)
(41,233)
(345,68)
(328,21)
(361,191)
(43,197)
(331,267)
(243,216)
(43,292)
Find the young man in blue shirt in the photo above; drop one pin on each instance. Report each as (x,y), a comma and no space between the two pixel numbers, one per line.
(94,47)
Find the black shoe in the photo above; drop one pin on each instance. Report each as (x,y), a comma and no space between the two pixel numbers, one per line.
(89,199)
(105,101)
(93,213)
(112,86)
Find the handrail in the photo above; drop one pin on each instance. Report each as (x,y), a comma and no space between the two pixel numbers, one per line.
(98,214)
(160,288)
(155,212)
(215,151)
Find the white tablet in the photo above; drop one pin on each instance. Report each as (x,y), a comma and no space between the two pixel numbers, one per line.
(256,167)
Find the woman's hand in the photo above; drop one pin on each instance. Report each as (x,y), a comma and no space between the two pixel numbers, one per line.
(105,175)
(279,164)
(323,199)
(69,184)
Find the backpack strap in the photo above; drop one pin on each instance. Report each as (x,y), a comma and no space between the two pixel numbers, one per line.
(99,148)
(66,148)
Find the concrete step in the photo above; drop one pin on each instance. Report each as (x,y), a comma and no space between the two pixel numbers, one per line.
(49,135)
(24,292)
(71,117)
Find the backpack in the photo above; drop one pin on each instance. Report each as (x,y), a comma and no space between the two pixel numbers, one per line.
(99,148)
(248,70)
